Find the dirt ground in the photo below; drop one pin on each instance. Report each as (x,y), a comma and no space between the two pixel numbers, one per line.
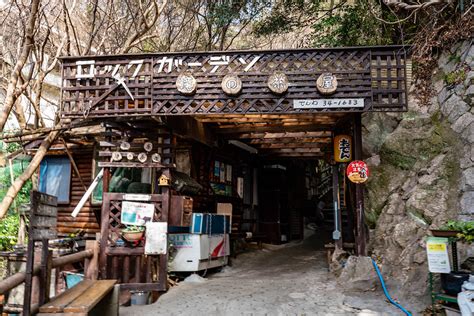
(291,280)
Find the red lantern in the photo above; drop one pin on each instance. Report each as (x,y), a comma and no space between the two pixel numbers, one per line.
(357,171)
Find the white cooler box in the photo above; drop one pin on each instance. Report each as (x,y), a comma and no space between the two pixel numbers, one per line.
(198,252)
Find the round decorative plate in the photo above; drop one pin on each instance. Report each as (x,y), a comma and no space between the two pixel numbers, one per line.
(125,146)
(142,157)
(156,158)
(148,146)
(116,156)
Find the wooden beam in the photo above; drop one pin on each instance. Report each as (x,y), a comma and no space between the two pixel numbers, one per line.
(293,145)
(292,150)
(290,140)
(281,135)
(302,128)
(189,128)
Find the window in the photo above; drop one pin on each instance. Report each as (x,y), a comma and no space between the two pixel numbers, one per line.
(55,178)
(125,180)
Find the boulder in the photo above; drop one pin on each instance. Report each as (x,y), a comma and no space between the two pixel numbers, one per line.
(358,274)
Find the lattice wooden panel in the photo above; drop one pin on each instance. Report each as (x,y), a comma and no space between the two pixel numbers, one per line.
(115,210)
(146,84)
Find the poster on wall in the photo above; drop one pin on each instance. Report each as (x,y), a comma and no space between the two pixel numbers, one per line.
(134,213)
(438,257)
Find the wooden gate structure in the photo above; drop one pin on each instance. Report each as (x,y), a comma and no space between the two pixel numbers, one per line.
(285,103)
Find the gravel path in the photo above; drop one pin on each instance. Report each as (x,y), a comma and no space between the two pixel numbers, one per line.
(292,280)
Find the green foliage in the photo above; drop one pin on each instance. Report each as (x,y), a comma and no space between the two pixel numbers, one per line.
(455,77)
(9,224)
(466,229)
(9,232)
(133,229)
(343,24)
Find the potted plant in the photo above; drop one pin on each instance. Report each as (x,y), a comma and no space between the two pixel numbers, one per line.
(133,233)
(462,230)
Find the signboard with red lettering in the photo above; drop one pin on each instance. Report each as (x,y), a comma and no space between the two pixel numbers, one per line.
(342,148)
(357,171)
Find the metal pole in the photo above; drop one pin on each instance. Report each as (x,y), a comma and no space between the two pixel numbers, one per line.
(359,192)
(337,233)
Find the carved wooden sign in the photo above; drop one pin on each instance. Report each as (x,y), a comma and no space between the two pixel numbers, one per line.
(326,83)
(231,84)
(278,83)
(186,84)
(43,217)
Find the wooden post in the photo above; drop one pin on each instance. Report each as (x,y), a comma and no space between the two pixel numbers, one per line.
(28,276)
(165,207)
(359,190)
(45,274)
(91,266)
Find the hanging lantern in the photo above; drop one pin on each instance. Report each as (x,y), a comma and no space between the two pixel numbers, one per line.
(357,171)
(342,148)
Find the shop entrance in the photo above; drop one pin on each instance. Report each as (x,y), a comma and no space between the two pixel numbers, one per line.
(255,129)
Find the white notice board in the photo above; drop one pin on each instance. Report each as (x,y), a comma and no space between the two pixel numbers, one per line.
(438,257)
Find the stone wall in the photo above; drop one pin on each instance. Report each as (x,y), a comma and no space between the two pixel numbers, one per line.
(422,165)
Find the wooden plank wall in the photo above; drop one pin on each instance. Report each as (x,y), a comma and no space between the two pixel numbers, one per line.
(86,220)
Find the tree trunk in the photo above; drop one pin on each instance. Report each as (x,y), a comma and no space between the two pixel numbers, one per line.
(29,171)
(11,96)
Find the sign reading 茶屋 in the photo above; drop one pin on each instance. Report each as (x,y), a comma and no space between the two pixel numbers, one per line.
(328,103)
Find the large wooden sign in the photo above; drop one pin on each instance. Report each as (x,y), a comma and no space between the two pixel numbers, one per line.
(43,216)
(268,82)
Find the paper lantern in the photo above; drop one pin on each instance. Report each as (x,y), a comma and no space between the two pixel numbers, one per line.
(342,148)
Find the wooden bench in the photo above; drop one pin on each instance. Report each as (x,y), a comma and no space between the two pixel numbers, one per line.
(86,298)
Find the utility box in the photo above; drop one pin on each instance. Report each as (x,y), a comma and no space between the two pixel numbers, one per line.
(198,252)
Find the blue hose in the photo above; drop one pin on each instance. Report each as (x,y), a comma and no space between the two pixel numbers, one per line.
(385,289)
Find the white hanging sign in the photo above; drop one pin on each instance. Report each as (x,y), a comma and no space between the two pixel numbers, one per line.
(156,241)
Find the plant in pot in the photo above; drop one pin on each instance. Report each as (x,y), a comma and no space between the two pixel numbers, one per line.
(132,233)
(462,230)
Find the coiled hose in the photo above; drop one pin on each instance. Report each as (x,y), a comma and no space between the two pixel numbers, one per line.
(385,289)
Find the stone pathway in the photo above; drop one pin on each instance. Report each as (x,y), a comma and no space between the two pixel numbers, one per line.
(292,280)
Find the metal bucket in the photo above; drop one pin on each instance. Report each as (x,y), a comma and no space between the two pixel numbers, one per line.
(139,298)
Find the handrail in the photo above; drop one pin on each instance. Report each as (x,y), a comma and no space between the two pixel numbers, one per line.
(19,277)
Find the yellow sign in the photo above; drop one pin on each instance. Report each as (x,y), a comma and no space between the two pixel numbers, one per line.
(436,247)
(342,148)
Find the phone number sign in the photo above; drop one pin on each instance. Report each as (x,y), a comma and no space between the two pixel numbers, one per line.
(328,103)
